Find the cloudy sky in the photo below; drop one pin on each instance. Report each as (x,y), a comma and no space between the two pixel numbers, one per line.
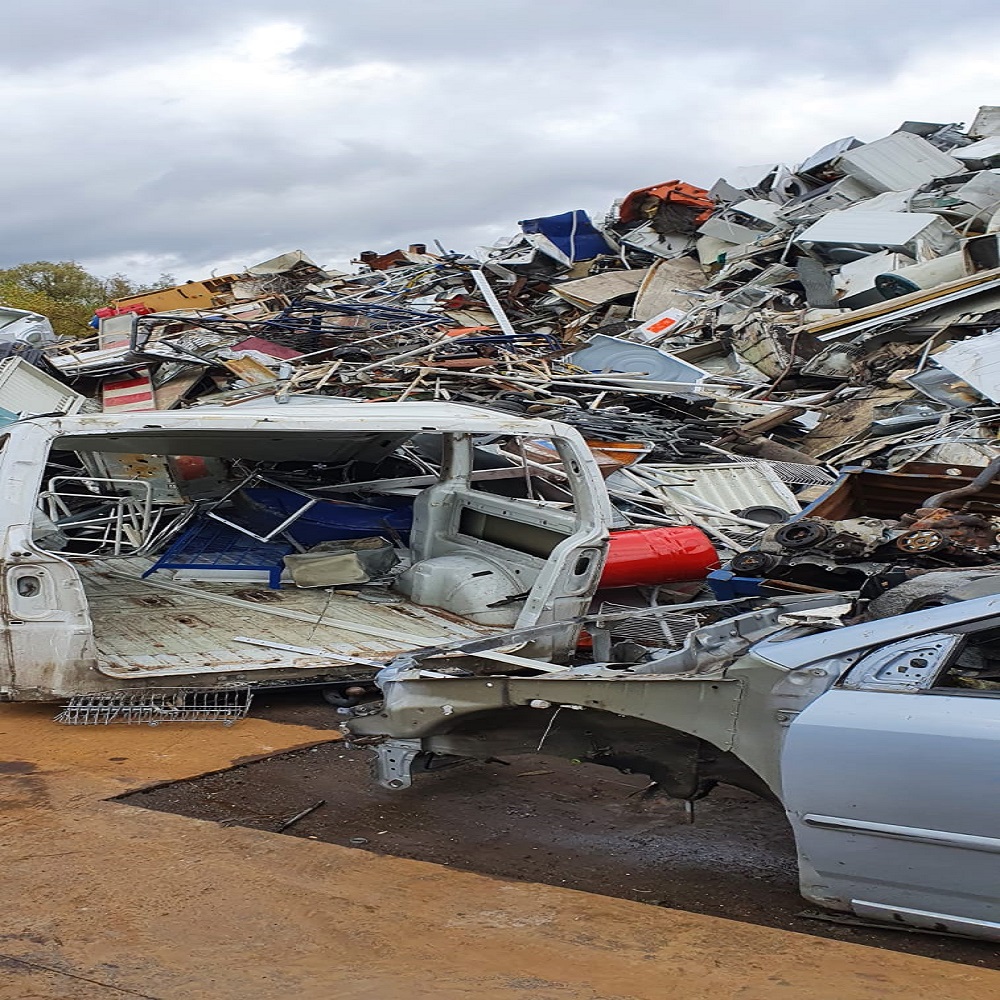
(194,135)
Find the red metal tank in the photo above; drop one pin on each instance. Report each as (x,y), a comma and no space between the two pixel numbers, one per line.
(649,556)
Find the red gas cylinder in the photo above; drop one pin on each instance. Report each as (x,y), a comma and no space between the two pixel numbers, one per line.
(649,556)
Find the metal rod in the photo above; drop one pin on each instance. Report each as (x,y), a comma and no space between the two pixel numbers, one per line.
(976,486)
(423,349)
(493,302)
(300,815)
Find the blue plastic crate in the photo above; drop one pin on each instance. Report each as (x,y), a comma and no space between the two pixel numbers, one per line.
(210,545)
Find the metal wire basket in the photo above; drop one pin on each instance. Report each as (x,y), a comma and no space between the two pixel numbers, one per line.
(152,706)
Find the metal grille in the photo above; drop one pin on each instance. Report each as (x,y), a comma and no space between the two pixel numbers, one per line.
(669,629)
(795,473)
(151,706)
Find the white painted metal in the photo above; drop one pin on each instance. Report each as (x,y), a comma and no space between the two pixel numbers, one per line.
(732,232)
(986,122)
(898,161)
(980,153)
(21,326)
(27,390)
(645,237)
(482,283)
(977,361)
(899,231)
(71,630)
(840,194)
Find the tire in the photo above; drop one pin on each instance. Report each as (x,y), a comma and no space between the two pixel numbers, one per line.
(932,590)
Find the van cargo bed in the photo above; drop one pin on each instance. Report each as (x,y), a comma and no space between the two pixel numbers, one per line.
(156,628)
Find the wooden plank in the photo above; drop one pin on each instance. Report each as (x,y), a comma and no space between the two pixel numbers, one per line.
(251,371)
(172,393)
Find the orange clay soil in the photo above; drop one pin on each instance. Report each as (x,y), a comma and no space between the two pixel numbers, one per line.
(99,899)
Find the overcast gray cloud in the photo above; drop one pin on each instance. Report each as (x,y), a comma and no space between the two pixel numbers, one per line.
(144,136)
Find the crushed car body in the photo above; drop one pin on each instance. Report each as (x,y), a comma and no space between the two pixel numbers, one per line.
(876,736)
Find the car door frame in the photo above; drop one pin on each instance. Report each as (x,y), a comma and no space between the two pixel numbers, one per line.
(892,785)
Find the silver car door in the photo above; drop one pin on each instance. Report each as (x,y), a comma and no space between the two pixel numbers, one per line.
(891,781)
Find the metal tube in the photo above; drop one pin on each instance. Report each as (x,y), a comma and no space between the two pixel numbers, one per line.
(493,302)
(976,486)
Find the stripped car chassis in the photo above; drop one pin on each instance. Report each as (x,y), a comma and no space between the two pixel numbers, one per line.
(878,737)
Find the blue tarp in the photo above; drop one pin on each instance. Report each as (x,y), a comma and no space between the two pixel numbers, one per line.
(572,232)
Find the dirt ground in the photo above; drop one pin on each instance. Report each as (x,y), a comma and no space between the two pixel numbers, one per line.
(538,819)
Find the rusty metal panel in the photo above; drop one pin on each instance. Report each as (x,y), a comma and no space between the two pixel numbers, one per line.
(142,630)
(889,495)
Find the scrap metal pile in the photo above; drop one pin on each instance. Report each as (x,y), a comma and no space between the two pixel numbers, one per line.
(820,337)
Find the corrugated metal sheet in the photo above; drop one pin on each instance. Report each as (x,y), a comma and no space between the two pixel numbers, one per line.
(728,487)
(795,473)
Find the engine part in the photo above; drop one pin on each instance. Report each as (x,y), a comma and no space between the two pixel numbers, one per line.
(804,534)
(753,562)
(764,515)
(962,537)
(921,541)
(850,539)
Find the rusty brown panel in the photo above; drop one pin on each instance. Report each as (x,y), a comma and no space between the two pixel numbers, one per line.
(890,495)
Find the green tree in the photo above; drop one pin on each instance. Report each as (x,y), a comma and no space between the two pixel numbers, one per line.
(65,292)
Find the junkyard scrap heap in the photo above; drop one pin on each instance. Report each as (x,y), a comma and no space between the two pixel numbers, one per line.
(788,381)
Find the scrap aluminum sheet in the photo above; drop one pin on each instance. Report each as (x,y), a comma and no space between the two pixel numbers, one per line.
(977,361)
(727,487)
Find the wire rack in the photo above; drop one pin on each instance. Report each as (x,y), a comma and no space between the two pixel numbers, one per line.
(152,706)
(668,629)
(793,473)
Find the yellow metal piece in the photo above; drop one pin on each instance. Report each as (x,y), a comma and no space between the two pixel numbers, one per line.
(191,295)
